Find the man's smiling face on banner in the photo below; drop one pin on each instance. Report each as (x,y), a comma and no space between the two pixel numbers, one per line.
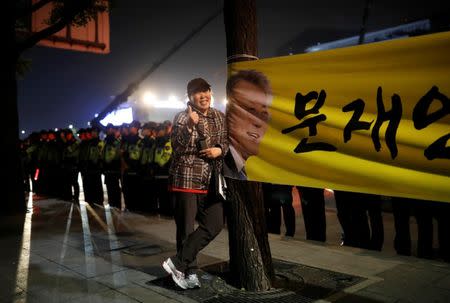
(248,116)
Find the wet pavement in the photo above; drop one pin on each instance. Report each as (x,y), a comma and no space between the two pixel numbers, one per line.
(70,252)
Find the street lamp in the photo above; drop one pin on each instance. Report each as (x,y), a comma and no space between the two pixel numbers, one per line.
(70,126)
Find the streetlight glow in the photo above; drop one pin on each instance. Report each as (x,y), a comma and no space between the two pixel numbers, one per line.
(149,99)
(172,102)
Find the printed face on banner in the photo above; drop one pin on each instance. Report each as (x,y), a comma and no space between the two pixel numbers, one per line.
(371,119)
(247,111)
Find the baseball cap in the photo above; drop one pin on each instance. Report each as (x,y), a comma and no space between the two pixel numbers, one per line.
(197,85)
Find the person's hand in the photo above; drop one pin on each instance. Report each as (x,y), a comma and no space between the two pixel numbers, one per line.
(211,153)
(193,117)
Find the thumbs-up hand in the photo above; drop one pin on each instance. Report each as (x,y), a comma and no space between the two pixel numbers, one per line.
(193,117)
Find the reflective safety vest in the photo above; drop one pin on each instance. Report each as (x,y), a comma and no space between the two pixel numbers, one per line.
(111,152)
(163,154)
(71,153)
(148,155)
(95,151)
(135,151)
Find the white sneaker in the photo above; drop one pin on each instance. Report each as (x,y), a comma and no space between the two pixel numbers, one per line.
(177,276)
(193,281)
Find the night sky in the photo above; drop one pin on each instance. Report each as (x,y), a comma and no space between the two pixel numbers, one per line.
(67,87)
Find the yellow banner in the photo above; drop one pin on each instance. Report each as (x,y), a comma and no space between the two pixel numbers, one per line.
(372,118)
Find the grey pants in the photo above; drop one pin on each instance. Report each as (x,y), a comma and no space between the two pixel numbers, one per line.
(209,214)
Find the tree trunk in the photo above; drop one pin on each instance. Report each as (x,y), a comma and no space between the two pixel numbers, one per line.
(11,171)
(250,256)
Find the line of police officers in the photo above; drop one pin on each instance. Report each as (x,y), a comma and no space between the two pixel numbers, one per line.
(134,163)
(361,219)
(137,165)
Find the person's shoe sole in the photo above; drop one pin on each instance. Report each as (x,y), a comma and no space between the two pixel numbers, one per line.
(177,281)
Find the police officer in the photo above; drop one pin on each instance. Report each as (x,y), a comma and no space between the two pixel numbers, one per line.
(25,163)
(111,166)
(148,168)
(353,210)
(53,163)
(163,156)
(124,132)
(90,155)
(132,151)
(313,209)
(32,155)
(41,173)
(277,197)
(84,135)
(70,157)
(95,166)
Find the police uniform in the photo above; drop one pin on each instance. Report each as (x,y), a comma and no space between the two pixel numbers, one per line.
(70,159)
(132,151)
(163,156)
(94,167)
(149,202)
(313,210)
(111,169)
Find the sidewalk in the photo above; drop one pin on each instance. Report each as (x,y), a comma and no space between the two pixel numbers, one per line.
(78,253)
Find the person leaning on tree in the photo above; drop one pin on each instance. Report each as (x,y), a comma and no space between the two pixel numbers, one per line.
(199,141)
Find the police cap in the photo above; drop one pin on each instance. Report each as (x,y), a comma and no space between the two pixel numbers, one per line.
(136,124)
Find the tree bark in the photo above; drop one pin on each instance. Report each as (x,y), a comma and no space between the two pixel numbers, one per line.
(250,256)
(11,171)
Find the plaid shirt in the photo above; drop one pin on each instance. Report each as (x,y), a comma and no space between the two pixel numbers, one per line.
(188,170)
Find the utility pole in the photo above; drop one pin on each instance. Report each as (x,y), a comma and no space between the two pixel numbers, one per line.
(250,257)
